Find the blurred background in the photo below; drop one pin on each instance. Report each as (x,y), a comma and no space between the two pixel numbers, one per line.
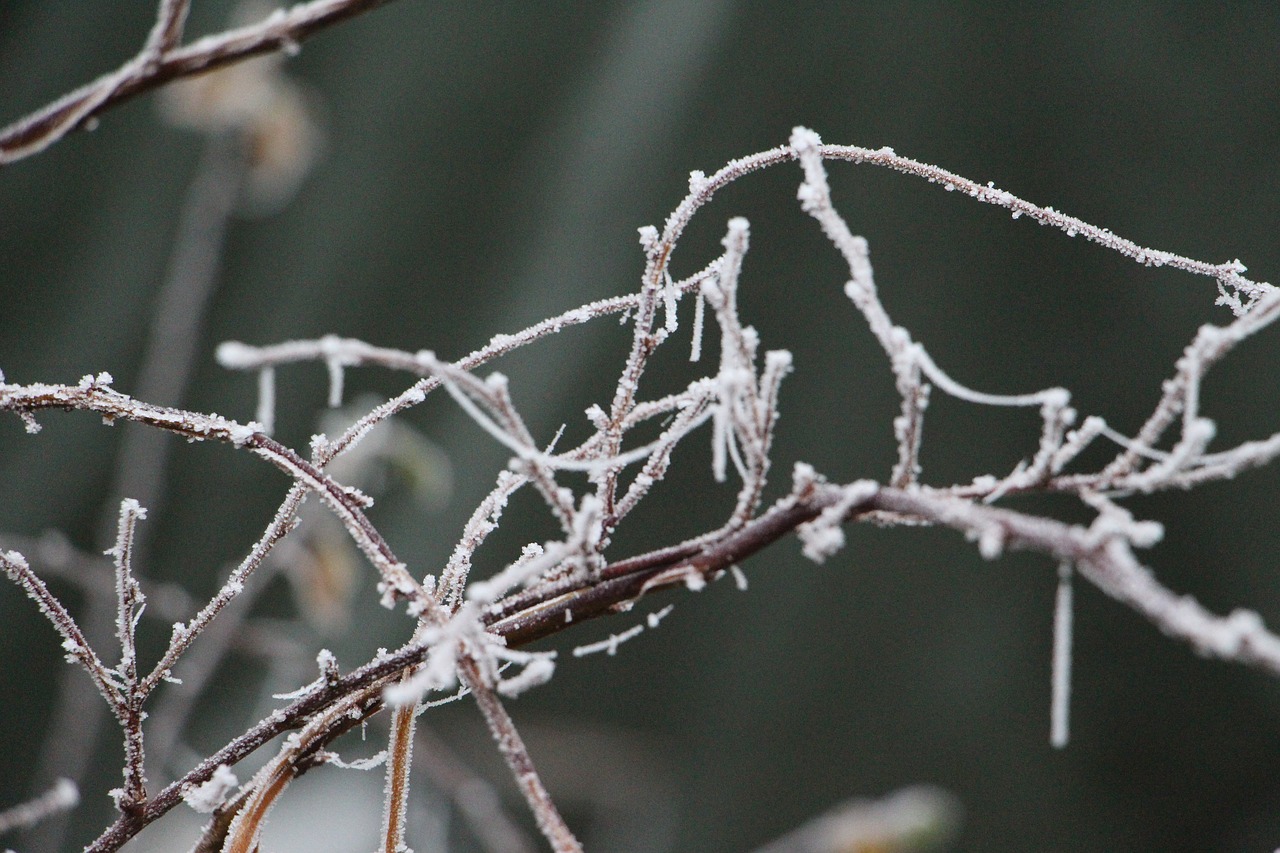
(436,173)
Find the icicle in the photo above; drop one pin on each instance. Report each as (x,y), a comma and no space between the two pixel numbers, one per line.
(1059,711)
(699,311)
(266,414)
(335,383)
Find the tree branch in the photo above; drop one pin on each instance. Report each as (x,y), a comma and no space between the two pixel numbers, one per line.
(161,61)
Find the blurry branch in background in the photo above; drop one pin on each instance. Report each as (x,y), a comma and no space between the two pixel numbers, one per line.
(163,59)
(477,802)
(913,820)
(466,635)
(62,796)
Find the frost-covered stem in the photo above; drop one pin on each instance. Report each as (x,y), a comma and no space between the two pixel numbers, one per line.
(695,411)
(93,394)
(129,598)
(747,409)
(645,339)
(908,429)
(510,429)
(166,33)
(185,634)
(246,828)
(399,760)
(370,678)
(1211,344)
(1102,556)
(1058,417)
(272,780)
(73,640)
(541,612)
(704,187)
(129,601)
(815,199)
(160,60)
(908,360)
(1240,636)
(483,521)
(134,792)
(624,399)
(347,505)
(235,355)
(1228,463)
(238,356)
(762,417)
(512,747)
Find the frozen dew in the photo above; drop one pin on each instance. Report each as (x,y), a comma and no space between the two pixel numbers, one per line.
(537,669)
(610,644)
(991,541)
(653,619)
(213,793)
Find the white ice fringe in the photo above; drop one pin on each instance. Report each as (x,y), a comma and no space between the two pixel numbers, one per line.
(824,536)
(215,791)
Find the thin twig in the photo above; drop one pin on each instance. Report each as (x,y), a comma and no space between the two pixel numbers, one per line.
(129,601)
(512,747)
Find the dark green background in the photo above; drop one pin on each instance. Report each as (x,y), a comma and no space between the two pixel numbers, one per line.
(488,164)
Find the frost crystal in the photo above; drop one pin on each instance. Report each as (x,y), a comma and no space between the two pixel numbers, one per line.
(538,669)
(823,537)
(213,793)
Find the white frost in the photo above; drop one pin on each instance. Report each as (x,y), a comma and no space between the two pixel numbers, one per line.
(213,793)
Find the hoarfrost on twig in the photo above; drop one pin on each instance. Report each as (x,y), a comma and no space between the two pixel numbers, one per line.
(467,629)
(214,792)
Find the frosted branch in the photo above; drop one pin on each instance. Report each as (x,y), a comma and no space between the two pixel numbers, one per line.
(74,642)
(512,747)
(484,520)
(129,597)
(396,795)
(161,60)
(470,632)
(129,604)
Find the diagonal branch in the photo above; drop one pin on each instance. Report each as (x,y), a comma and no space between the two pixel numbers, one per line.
(74,642)
(161,61)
